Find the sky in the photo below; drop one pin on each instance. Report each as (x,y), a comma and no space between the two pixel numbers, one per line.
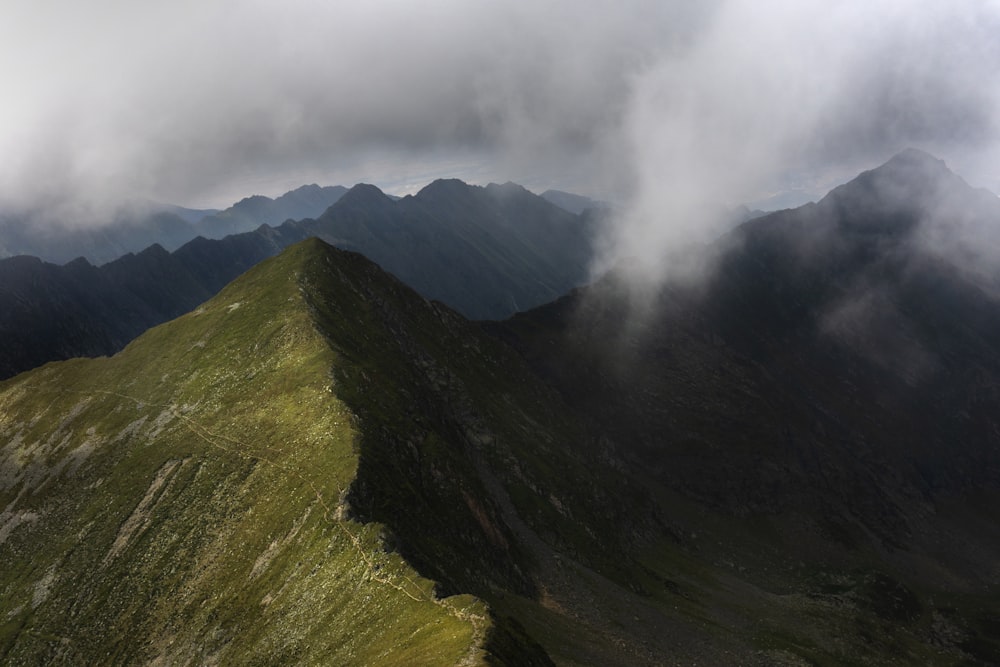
(669,108)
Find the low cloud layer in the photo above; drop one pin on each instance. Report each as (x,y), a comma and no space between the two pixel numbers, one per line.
(669,109)
(188,99)
(805,95)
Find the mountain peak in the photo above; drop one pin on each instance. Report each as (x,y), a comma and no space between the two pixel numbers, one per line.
(364,199)
(326,193)
(509,185)
(365,189)
(896,195)
(444,187)
(915,166)
(508,190)
(915,154)
(365,194)
(252,200)
(308,187)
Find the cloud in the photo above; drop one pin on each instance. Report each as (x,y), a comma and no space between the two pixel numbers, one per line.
(868,321)
(179,99)
(664,105)
(802,92)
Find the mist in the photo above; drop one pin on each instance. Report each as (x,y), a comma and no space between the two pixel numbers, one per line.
(200,103)
(798,95)
(674,112)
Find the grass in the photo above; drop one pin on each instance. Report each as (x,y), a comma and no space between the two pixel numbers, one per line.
(188,494)
(318,466)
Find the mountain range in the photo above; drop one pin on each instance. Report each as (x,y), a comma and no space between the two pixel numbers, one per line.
(141,224)
(485,251)
(308,201)
(792,460)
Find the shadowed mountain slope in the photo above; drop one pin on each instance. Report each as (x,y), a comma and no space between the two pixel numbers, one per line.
(821,417)
(50,312)
(487,252)
(738,472)
(308,201)
(794,461)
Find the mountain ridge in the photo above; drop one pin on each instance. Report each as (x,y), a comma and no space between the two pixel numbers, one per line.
(182,436)
(831,390)
(136,225)
(771,467)
(54,312)
(195,432)
(450,232)
(306,201)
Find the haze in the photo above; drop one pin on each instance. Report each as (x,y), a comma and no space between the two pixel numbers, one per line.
(669,110)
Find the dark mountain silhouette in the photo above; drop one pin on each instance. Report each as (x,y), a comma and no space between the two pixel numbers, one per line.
(138,225)
(308,201)
(793,462)
(573,203)
(131,230)
(50,312)
(484,251)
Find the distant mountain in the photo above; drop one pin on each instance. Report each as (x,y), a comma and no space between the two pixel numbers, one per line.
(487,251)
(308,201)
(188,215)
(132,229)
(575,204)
(50,312)
(138,225)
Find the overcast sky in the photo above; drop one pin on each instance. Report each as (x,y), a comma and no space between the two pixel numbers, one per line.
(661,105)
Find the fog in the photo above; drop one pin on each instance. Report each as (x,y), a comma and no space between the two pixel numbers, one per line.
(669,110)
(802,95)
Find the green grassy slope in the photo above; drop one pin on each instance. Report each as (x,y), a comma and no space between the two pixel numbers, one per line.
(183,503)
(316,466)
(320,467)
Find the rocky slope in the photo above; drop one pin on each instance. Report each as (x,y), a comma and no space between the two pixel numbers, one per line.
(820,416)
